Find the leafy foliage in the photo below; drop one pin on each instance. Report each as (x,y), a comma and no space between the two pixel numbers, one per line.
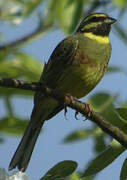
(15,63)
(13,125)
(61,170)
(104,159)
(122,113)
(123,174)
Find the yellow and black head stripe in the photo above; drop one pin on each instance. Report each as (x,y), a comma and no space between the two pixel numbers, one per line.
(98,24)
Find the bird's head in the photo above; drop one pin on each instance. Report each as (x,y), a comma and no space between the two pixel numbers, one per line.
(96,23)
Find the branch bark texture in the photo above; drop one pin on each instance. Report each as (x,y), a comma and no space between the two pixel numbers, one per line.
(71,102)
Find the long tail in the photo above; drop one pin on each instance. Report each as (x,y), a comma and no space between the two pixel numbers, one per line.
(24,151)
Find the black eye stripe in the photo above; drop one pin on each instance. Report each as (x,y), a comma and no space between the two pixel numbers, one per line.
(96,19)
(97,24)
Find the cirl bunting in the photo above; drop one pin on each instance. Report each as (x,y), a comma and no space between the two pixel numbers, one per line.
(75,67)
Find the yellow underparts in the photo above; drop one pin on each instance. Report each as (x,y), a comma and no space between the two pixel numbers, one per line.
(100,39)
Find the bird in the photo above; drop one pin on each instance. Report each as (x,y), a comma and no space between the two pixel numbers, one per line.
(75,67)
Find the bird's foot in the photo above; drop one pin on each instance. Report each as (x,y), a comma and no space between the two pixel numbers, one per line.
(71,98)
(76,114)
(88,107)
(90,110)
(65,112)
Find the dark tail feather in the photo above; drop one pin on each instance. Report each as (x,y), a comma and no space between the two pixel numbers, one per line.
(24,151)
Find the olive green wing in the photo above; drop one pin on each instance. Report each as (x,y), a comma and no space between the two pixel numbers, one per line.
(61,58)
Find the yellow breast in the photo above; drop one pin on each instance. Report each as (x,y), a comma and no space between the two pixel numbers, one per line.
(99,39)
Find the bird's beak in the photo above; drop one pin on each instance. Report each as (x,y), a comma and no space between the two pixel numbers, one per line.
(111,20)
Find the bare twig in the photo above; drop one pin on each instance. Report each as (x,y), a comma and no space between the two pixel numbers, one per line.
(71,102)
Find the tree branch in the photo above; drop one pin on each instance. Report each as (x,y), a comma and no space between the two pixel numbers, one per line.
(71,102)
(40,29)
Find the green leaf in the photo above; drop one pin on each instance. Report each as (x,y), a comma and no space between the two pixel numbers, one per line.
(11,10)
(101,101)
(22,65)
(61,170)
(123,174)
(30,6)
(122,113)
(78,12)
(15,92)
(99,143)
(70,2)
(76,176)
(120,3)
(29,67)
(8,105)
(114,69)
(61,10)
(82,134)
(78,135)
(104,159)
(13,125)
